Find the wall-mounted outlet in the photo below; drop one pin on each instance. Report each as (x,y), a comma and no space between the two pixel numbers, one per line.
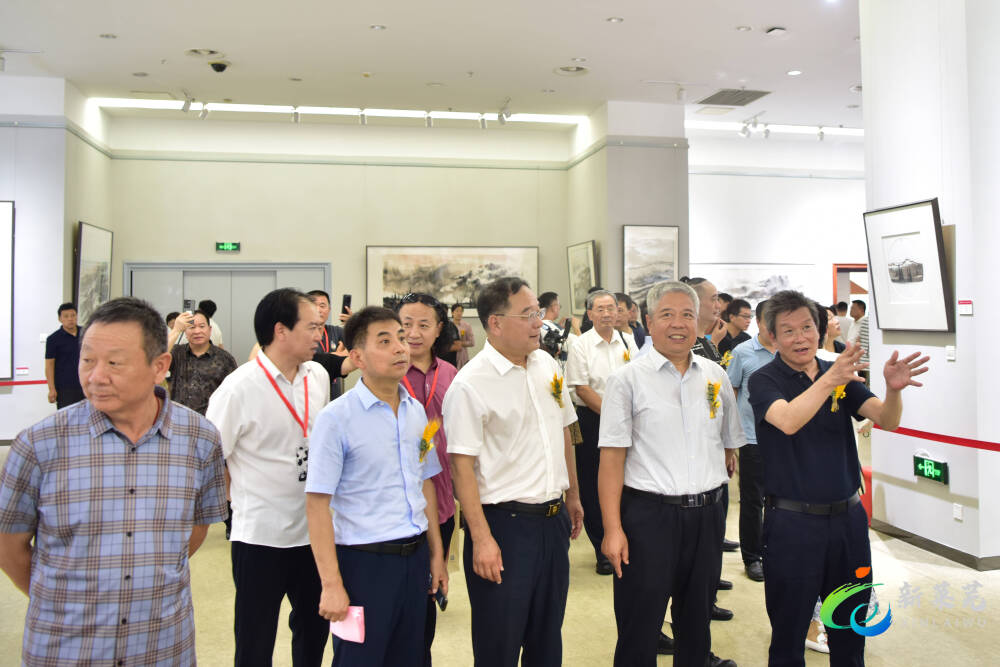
(957,512)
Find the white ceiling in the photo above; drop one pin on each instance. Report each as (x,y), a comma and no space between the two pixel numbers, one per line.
(510,48)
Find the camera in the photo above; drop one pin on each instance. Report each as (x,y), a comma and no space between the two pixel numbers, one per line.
(554,340)
(219,66)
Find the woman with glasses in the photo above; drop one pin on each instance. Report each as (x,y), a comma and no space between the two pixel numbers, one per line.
(424,319)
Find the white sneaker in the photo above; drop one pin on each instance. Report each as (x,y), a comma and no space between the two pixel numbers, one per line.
(819,645)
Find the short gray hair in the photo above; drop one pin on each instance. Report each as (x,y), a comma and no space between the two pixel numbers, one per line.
(659,290)
(788,301)
(597,294)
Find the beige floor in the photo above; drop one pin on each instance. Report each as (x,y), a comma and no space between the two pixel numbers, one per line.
(921,634)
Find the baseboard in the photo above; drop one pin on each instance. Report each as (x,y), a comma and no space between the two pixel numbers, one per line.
(952,554)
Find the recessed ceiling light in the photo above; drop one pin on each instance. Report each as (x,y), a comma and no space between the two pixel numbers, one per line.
(774,31)
(140,74)
(296,79)
(108,35)
(376,26)
(856,88)
(227,100)
(366,75)
(793,72)
(579,60)
(614,19)
(548,90)
(743,28)
(434,84)
(571,70)
(853,106)
(202,53)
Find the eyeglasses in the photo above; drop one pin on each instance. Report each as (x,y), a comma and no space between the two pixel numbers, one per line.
(534,315)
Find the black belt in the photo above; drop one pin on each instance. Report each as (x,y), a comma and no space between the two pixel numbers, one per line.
(685,501)
(823,509)
(548,509)
(392,548)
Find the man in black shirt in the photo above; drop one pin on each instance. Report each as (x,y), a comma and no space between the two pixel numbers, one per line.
(330,344)
(816,531)
(737,317)
(62,360)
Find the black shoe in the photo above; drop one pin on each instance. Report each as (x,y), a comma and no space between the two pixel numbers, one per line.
(716,661)
(755,571)
(720,614)
(604,567)
(664,645)
(724,585)
(729,545)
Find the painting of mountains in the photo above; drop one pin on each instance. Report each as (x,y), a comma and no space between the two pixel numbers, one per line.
(650,254)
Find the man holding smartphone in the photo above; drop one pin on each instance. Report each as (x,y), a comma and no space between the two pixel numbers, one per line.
(332,340)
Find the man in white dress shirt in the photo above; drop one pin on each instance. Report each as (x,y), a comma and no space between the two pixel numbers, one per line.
(506,415)
(264,411)
(669,435)
(593,357)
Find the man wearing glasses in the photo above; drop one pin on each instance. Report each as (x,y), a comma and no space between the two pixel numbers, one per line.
(506,415)
(737,317)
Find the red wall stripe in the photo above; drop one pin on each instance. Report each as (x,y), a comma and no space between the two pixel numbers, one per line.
(22,382)
(948,439)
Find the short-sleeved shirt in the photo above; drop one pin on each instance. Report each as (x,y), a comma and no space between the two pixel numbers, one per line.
(592,359)
(748,356)
(194,378)
(676,446)
(437,379)
(729,341)
(819,463)
(266,452)
(703,347)
(507,417)
(112,521)
(64,348)
(332,336)
(369,461)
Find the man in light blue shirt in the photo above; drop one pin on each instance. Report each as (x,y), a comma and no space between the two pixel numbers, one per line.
(370,461)
(748,356)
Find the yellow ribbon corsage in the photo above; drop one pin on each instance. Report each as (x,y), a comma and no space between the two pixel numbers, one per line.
(837,394)
(427,439)
(713,398)
(557,388)
(726,358)
(626,356)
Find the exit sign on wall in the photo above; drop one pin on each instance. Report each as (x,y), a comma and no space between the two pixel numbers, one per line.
(227,246)
(930,469)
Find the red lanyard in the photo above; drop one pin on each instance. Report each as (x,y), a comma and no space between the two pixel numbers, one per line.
(326,341)
(434,384)
(304,423)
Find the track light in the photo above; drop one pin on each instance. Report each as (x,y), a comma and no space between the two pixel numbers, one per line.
(745,131)
(482,121)
(428,121)
(363,117)
(504,114)
(295,115)
(767,132)
(3,62)
(187,105)
(204,112)
(820,134)
(680,93)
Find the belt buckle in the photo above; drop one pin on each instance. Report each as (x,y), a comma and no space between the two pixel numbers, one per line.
(691,500)
(553,509)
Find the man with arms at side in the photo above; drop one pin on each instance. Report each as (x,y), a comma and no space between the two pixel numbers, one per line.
(506,415)
(62,357)
(669,434)
(846,321)
(816,530)
(116,492)
(198,367)
(594,356)
(748,357)
(372,465)
(264,411)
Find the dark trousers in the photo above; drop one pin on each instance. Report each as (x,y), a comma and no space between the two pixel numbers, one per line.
(393,591)
(68,395)
(263,576)
(447,529)
(751,503)
(805,557)
(673,553)
(523,614)
(588,458)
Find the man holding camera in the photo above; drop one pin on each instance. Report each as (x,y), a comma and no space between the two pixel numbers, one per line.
(596,354)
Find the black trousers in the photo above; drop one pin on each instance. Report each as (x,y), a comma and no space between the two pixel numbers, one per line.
(523,615)
(263,577)
(68,395)
(674,553)
(751,503)
(588,458)
(805,557)
(393,591)
(447,529)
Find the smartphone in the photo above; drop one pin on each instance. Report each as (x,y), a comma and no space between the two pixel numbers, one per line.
(345,304)
(189,305)
(441,599)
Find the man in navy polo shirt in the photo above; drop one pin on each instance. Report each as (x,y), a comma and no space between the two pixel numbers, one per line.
(816,531)
(62,358)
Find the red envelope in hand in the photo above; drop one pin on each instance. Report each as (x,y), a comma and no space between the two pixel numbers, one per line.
(352,628)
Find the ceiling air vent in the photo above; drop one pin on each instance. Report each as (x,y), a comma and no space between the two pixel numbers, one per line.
(732,97)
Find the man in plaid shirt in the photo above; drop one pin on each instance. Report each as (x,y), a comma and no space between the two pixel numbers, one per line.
(115,492)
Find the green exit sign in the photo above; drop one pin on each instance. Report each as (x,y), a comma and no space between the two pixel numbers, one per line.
(227,246)
(930,469)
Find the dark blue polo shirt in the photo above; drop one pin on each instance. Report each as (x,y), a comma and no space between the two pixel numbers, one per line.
(64,347)
(819,464)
